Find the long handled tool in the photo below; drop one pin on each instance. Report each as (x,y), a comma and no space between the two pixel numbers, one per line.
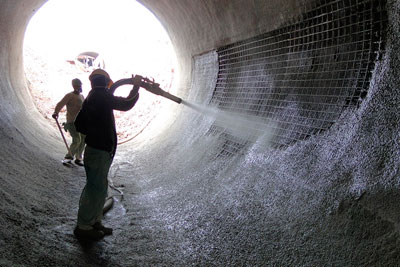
(62,134)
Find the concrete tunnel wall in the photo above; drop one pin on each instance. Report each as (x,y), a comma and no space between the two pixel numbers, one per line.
(329,198)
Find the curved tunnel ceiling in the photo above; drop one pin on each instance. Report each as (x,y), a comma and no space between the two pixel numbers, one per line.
(312,78)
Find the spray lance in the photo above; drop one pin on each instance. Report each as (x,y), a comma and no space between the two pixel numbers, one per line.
(147,84)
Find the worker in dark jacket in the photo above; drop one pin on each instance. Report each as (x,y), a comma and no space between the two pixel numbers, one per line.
(101,144)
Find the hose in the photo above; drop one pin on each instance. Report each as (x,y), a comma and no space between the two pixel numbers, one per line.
(109,203)
(149,86)
(119,83)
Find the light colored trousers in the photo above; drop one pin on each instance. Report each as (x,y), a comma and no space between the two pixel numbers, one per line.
(97,165)
(78,141)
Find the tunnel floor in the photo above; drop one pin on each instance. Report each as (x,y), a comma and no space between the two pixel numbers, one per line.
(170,216)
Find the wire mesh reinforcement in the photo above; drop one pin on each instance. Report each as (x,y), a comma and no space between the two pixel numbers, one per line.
(301,76)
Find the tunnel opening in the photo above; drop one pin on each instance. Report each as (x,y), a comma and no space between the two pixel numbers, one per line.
(68,39)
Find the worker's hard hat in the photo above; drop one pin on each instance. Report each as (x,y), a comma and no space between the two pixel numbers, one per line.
(99,72)
(76,82)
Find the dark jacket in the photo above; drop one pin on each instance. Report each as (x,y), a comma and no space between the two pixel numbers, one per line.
(99,106)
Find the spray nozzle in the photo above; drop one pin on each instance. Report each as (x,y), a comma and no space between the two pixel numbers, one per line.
(154,88)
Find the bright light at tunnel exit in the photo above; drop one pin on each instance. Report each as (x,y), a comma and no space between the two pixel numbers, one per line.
(125,35)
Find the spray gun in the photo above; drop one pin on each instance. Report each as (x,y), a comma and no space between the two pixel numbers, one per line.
(154,88)
(147,84)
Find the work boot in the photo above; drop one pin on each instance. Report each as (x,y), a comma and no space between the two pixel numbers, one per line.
(102,228)
(69,157)
(79,162)
(93,234)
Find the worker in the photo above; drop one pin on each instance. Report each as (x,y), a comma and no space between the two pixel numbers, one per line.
(73,101)
(97,118)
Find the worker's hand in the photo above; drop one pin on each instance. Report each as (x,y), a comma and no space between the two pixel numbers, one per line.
(137,80)
(110,83)
(55,116)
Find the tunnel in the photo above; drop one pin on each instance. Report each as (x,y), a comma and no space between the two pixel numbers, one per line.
(284,152)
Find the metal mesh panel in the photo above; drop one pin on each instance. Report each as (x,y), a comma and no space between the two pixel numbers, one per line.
(303,75)
(205,69)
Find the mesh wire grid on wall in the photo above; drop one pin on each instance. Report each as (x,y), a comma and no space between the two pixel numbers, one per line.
(301,76)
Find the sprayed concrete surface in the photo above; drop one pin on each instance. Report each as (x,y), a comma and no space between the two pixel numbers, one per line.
(330,200)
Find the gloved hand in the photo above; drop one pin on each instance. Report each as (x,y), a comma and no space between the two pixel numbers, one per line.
(55,116)
(137,80)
